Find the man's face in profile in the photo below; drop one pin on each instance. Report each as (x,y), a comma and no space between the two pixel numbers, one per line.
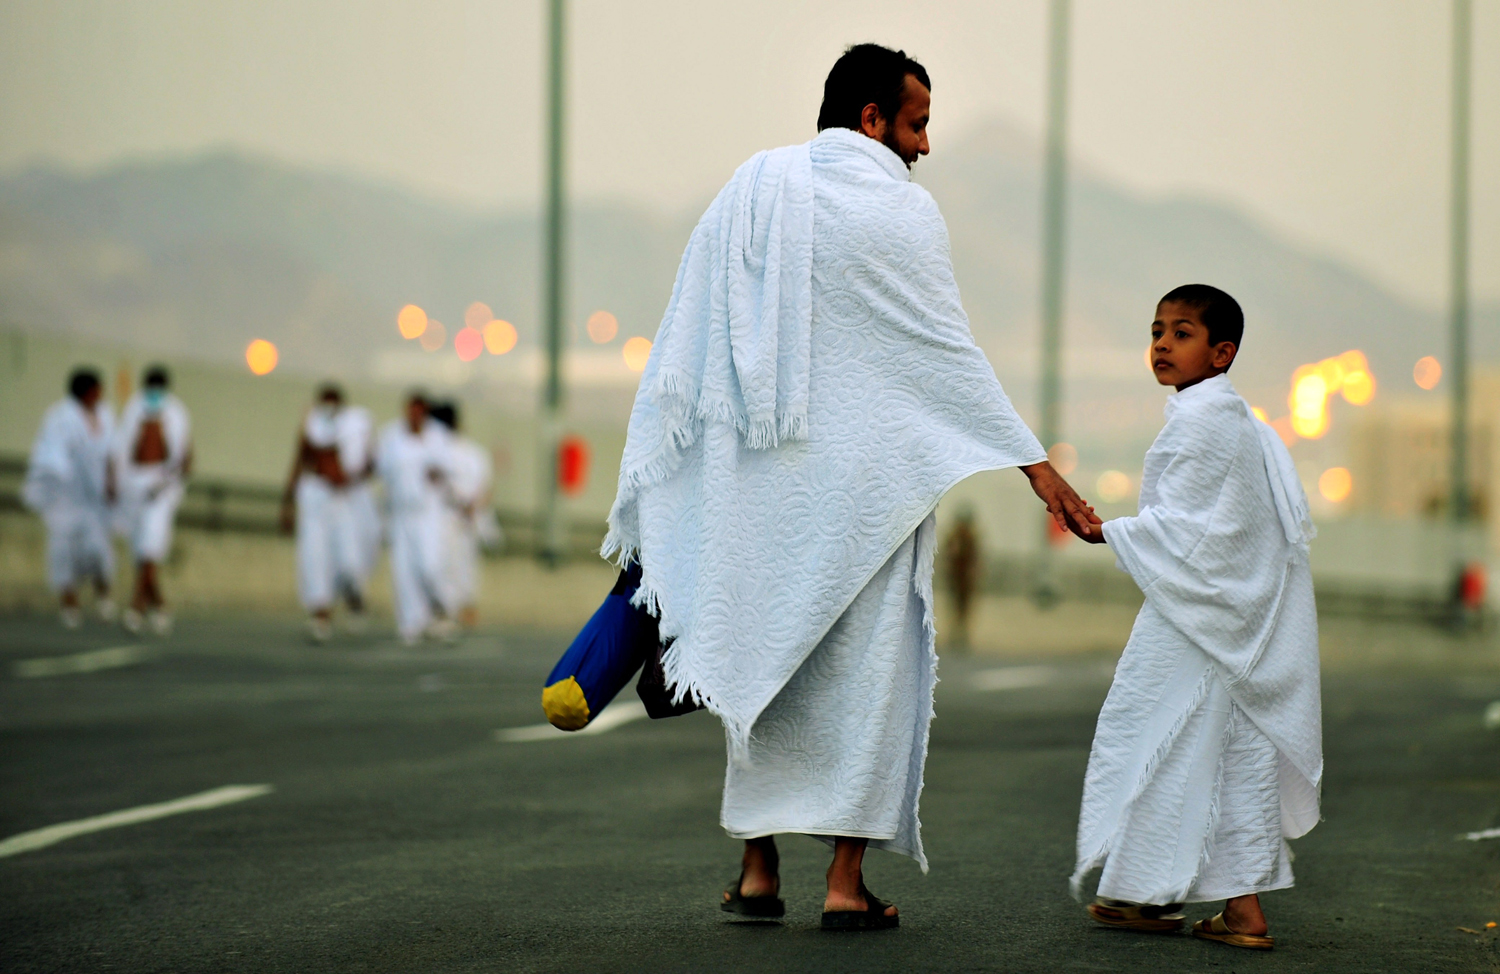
(907,135)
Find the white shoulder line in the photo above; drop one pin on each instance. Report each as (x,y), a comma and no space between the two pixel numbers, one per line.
(88,662)
(52,834)
(615,715)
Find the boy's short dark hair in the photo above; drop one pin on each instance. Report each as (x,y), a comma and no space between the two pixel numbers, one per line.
(866,74)
(83,381)
(156,377)
(1221,314)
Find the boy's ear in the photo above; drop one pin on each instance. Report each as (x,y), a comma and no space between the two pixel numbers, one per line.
(1224,354)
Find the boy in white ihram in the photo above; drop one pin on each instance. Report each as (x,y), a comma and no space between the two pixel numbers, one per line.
(70,483)
(330,473)
(1208,754)
(413,461)
(154,455)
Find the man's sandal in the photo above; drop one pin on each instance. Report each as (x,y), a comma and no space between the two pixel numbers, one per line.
(872,917)
(1130,916)
(767,907)
(1214,928)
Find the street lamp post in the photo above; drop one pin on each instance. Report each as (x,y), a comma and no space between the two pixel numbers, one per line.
(1460,503)
(549,527)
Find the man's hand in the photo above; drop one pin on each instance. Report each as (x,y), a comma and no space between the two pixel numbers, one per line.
(1063,503)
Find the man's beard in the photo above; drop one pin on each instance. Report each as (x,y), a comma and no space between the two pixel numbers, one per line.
(890,143)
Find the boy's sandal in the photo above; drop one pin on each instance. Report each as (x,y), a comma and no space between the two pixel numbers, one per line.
(1214,928)
(872,917)
(767,907)
(1130,916)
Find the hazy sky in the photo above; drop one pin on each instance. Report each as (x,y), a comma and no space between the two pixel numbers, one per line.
(1328,119)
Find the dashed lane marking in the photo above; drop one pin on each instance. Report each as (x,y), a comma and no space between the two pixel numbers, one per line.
(89,662)
(1013,678)
(53,834)
(615,715)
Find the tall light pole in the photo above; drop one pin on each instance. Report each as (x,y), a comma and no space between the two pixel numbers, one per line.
(1054,222)
(549,527)
(1460,503)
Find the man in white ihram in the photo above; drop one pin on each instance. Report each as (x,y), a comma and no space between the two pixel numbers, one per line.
(469,517)
(325,499)
(413,461)
(154,455)
(812,393)
(70,482)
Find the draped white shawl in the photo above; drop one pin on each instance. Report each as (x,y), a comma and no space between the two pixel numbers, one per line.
(67,463)
(1220,550)
(812,393)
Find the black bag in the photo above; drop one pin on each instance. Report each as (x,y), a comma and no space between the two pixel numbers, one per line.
(653,690)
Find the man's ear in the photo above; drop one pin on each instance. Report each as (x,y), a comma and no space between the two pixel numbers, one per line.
(871,122)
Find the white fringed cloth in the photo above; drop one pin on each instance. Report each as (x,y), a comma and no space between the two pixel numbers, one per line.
(1208,754)
(812,393)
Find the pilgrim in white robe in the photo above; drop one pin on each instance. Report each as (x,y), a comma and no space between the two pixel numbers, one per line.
(470,520)
(812,393)
(66,483)
(151,491)
(1208,752)
(332,536)
(414,467)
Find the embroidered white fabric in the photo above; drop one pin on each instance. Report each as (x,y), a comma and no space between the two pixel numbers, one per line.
(1229,626)
(753,545)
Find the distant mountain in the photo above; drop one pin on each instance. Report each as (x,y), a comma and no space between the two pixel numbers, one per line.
(194,257)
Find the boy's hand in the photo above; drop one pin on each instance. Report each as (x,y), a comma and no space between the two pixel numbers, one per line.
(1063,503)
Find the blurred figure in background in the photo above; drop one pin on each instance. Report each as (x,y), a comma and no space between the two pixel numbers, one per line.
(470,517)
(330,466)
(70,483)
(154,455)
(413,459)
(961,552)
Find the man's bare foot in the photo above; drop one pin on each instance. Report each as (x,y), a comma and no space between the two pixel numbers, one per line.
(760,868)
(1242,914)
(846,879)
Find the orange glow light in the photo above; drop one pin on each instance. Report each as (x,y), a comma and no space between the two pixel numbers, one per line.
(1335,484)
(261,356)
(477,315)
(468,343)
(1113,486)
(1428,372)
(434,336)
(1313,385)
(412,321)
(637,351)
(499,337)
(1260,414)
(602,327)
(1064,457)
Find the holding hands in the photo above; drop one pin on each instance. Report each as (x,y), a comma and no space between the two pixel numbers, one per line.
(1063,503)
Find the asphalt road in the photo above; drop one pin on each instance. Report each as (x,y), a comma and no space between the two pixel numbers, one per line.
(402,836)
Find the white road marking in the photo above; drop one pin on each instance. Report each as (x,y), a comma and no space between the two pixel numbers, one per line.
(615,715)
(52,834)
(1486,834)
(94,659)
(1012,678)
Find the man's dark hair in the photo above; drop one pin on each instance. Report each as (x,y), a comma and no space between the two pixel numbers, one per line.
(156,377)
(330,392)
(83,381)
(445,413)
(1221,314)
(866,74)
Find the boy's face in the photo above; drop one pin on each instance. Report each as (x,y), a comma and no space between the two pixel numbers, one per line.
(1180,353)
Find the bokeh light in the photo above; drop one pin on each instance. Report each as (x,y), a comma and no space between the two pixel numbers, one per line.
(412,321)
(1428,372)
(1260,414)
(434,336)
(499,336)
(468,343)
(261,356)
(637,351)
(477,315)
(1335,484)
(1312,385)
(1113,486)
(1064,457)
(602,327)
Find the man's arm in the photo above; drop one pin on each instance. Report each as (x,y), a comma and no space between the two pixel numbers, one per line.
(1063,503)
